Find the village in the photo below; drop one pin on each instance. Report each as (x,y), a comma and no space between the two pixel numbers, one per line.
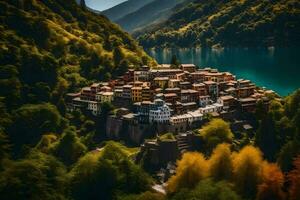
(166,99)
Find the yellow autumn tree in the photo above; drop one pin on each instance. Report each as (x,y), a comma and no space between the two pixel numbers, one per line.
(247,170)
(192,168)
(220,163)
(272,183)
(215,132)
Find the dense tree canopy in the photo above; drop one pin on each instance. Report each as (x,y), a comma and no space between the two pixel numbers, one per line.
(39,176)
(32,121)
(101,174)
(208,190)
(278,132)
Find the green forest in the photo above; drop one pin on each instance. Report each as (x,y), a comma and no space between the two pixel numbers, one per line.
(51,47)
(225,23)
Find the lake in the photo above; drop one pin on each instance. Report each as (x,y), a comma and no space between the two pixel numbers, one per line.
(276,69)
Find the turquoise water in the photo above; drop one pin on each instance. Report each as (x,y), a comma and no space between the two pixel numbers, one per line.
(276,69)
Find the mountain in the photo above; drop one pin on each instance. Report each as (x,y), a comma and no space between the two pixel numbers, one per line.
(125,8)
(101,5)
(152,13)
(49,47)
(227,23)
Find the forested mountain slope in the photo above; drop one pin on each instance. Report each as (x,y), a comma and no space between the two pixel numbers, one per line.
(125,8)
(52,44)
(150,14)
(228,23)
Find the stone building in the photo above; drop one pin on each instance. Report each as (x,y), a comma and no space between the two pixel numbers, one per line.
(160,113)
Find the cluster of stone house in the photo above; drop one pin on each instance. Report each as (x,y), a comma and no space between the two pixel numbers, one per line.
(176,100)
(170,95)
(90,98)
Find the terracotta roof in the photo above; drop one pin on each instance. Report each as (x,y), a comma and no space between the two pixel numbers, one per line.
(86,88)
(161,78)
(136,88)
(188,65)
(170,95)
(245,100)
(198,85)
(209,82)
(127,86)
(228,97)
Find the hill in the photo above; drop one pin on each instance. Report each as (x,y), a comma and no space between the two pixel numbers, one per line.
(228,23)
(49,47)
(148,15)
(125,8)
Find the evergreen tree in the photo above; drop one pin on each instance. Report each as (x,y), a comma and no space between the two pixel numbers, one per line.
(266,138)
(5,147)
(287,155)
(82,4)
(174,62)
(117,56)
(122,68)
(69,148)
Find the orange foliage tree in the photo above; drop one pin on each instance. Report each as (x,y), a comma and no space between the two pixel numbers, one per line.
(247,167)
(220,163)
(192,168)
(294,180)
(272,183)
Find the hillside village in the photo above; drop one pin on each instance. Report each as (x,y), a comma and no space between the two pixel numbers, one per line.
(172,99)
(88,113)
